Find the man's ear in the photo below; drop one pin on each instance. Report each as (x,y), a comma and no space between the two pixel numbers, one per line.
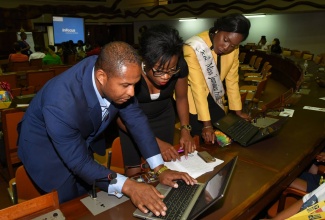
(101,76)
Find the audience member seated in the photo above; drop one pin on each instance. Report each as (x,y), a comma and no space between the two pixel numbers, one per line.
(275,47)
(310,180)
(51,57)
(88,47)
(262,44)
(38,54)
(59,50)
(25,48)
(95,51)
(80,50)
(17,56)
(311,199)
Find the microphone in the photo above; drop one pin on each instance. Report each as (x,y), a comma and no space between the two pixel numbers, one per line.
(110,176)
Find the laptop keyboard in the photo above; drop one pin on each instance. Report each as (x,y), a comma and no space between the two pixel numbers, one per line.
(242,131)
(178,199)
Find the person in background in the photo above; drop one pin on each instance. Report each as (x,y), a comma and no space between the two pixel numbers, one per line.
(51,57)
(212,57)
(38,54)
(276,47)
(142,29)
(164,72)
(95,50)
(80,50)
(64,124)
(25,48)
(17,56)
(310,180)
(262,44)
(310,199)
(88,46)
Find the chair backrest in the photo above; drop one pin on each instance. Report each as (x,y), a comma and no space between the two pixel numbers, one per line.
(24,187)
(32,208)
(260,89)
(18,66)
(252,60)
(297,54)
(258,62)
(23,91)
(116,162)
(266,70)
(10,119)
(265,65)
(267,77)
(9,78)
(58,69)
(317,59)
(286,53)
(39,78)
(307,56)
(37,63)
(241,57)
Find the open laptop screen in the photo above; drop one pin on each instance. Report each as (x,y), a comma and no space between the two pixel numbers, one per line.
(214,190)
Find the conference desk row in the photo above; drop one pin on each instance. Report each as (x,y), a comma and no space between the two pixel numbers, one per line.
(263,169)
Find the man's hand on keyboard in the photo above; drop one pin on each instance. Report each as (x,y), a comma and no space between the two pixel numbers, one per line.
(145,197)
(168,177)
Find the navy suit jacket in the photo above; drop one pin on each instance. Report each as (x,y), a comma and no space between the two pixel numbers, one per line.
(64,120)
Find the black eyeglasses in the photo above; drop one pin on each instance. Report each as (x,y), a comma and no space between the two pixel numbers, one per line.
(170,72)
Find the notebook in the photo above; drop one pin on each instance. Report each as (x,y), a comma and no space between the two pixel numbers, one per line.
(205,196)
(245,133)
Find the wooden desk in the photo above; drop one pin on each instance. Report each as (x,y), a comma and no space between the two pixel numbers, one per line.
(263,170)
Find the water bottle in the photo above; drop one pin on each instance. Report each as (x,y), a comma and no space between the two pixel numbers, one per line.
(305,66)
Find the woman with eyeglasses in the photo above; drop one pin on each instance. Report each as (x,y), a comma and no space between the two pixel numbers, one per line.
(212,58)
(164,73)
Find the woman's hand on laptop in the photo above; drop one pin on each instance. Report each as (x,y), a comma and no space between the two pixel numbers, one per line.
(168,178)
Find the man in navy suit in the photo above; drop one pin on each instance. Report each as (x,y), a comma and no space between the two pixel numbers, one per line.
(64,125)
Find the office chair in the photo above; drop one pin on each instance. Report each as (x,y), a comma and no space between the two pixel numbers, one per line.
(255,66)
(288,197)
(28,90)
(251,62)
(265,69)
(21,187)
(10,119)
(10,78)
(36,63)
(18,66)
(241,57)
(38,78)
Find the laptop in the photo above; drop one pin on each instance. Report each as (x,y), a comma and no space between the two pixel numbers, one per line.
(205,195)
(244,132)
(21,100)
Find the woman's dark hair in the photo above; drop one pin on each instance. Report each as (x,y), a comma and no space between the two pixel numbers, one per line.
(236,23)
(277,41)
(160,43)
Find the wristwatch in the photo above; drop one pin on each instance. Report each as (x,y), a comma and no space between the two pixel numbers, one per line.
(187,127)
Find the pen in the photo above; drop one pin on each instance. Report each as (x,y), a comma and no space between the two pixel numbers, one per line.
(180,151)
